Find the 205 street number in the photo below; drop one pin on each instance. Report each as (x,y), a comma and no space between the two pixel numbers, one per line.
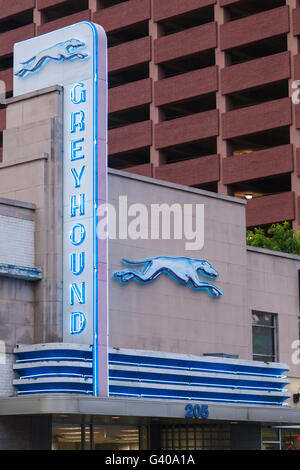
(196,411)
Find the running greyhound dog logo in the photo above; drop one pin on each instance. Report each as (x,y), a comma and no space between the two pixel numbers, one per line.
(184,270)
(61,52)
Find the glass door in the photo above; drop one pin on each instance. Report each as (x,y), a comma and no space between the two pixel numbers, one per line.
(94,437)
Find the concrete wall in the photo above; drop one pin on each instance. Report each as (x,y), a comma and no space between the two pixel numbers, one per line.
(164,315)
(17,299)
(168,317)
(17,313)
(245,436)
(25,432)
(31,171)
(273,287)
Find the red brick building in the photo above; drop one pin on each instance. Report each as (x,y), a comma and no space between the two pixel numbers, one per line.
(200,90)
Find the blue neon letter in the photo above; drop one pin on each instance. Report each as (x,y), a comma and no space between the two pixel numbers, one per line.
(75,148)
(77,177)
(77,205)
(77,122)
(78,95)
(77,234)
(76,292)
(78,322)
(77,267)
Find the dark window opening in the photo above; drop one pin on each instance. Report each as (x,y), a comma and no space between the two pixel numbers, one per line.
(188,63)
(187,21)
(108,3)
(16,21)
(67,8)
(131,116)
(266,227)
(213,188)
(252,7)
(261,187)
(251,97)
(132,74)
(257,50)
(190,151)
(1,146)
(264,336)
(259,141)
(6,62)
(131,33)
(189,107)
(129,159)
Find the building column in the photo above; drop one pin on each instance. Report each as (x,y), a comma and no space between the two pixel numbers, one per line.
(156,115)
(293,47)
(154,442)
(245,436)
(26,432)
(93,5)
(41,426)
(221,100)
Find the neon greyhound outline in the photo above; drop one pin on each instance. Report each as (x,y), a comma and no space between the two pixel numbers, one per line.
(60,52)
(183,270)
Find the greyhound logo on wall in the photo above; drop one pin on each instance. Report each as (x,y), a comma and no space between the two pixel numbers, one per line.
(183,270)
(61,52)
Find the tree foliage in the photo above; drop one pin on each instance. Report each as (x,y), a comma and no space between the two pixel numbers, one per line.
(279,237)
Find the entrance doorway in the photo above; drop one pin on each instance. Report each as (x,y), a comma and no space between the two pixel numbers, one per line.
(94,437)
(195,437)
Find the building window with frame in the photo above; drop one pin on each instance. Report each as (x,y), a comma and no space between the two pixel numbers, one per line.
(264,336)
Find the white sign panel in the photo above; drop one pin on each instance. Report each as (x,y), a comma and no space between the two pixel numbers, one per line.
(75,57)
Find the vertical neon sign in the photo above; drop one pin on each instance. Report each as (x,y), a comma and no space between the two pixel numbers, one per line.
(82,71)
(85,293)
(77,158)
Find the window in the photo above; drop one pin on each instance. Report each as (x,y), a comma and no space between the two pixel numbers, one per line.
(264,336)
(195,437)
(271,438)
(281,438)
(70,435)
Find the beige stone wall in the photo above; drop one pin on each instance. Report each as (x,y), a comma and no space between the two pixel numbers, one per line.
(31,171)
(17,312)
(273,287)
(163,315)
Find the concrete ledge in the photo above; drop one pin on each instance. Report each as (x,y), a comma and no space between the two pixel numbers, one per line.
(32,94)
(280,254)
(15,203)
(43,156)
(20,272)
(180,187)
(78,405)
